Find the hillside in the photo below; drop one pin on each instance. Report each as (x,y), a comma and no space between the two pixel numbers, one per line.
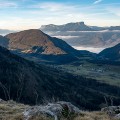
(36,45)
(15,111)
(35,41)
(112,53)
(27,82)
(4,41)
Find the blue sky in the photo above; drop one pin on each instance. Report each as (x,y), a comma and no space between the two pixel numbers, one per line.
(27,14)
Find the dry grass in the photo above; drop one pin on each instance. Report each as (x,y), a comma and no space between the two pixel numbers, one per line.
(13,111)
(93,116)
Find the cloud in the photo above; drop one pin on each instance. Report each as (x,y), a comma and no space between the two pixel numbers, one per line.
(97,1)
(7,4)
(114,10)
(34,14)
(54,7)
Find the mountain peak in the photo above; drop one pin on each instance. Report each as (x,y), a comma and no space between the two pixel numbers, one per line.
(81,23)
(32,41)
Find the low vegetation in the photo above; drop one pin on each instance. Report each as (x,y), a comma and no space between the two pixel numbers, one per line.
(14,111)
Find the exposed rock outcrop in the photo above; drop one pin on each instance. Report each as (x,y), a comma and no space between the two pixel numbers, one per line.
(55,110)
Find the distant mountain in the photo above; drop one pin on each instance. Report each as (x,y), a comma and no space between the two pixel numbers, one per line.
(5,31)
(27,82)
(4,41)
(112,53)
(92,39)
(80,35)
(79,26)
(114,28)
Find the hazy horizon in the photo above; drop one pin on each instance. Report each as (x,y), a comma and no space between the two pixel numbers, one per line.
(31,14)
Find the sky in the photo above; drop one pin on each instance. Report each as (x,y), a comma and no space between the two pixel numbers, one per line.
(30,14)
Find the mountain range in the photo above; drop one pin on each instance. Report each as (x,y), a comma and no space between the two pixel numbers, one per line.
(78,26)
(80,35)
(41,47)
(5,31)
(29,82)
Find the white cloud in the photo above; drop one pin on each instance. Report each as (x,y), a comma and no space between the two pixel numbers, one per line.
(33,16)
(51,6)
(91,49)
(97,1)
(114,10)
(7,4)
(54,7)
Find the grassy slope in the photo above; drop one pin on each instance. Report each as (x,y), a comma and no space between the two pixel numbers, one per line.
(14,111)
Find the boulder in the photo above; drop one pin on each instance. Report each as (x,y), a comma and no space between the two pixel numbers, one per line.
(117,116)
(112,111)
(52,109)
(1,101)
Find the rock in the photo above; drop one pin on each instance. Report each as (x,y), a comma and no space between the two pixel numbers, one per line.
(52,109)
(2,101)
(71,107)
(117,116)
(112,111)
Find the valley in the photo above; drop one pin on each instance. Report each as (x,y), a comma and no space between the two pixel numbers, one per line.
(105,73)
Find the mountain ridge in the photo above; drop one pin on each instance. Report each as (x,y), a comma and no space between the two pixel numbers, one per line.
(76,26)
(79,26)
(97,37)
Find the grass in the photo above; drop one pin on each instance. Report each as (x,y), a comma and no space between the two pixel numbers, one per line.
(93,116)
(11,111)
(14,111)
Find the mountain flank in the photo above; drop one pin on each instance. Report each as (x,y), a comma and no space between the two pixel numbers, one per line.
(112,53)
(27,82)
